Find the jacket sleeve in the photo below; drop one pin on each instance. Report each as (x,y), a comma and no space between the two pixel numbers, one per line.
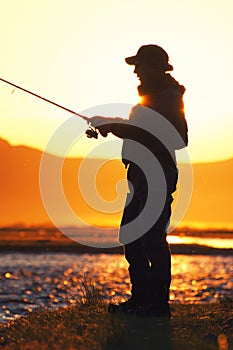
(121,128)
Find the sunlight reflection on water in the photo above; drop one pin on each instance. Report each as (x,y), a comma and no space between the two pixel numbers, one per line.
(31,281)
(214,242)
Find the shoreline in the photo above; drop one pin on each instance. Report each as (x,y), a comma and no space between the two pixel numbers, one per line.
(43,247)
(42,240)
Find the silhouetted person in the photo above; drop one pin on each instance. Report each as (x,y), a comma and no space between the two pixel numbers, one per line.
(155,129)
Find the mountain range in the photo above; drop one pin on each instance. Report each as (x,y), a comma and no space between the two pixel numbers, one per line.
(21,202)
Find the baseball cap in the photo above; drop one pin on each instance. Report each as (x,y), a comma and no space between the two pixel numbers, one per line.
(152,55)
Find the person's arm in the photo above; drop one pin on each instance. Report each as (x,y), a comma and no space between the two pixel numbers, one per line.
(117,126)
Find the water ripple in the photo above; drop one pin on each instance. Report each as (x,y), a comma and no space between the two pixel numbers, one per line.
(31,281)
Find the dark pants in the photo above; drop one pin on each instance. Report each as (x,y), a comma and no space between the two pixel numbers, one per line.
(149,256)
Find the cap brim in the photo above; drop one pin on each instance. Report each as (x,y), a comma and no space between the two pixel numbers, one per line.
(131,60)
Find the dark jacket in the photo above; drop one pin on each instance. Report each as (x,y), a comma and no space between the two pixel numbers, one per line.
(154,130)
(157,123)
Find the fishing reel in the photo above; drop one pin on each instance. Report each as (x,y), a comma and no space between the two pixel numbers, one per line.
(92,132)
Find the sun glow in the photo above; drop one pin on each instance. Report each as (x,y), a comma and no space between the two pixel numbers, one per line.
(77,59)
(82,71)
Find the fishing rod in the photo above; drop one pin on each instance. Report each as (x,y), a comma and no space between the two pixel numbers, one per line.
(90,132)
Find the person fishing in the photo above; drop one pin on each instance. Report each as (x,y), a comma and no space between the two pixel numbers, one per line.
(145,152)
(155,129)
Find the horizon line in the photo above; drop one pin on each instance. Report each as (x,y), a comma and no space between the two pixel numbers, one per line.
(39,149)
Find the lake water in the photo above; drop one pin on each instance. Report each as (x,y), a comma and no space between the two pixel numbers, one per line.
(225,242)
(32,281)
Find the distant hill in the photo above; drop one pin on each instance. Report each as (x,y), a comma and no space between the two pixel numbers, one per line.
(20,200)
(212,195)
(20,195)
(21,203)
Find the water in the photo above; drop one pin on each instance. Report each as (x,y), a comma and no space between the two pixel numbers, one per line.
(225,242)
(32,281)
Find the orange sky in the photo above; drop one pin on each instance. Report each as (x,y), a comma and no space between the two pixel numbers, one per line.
(73,53)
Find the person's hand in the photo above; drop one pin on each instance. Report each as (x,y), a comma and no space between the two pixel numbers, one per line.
(100,123)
